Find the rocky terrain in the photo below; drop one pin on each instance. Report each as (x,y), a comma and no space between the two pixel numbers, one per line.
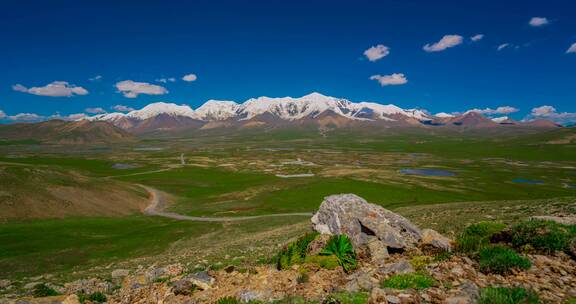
(355,252)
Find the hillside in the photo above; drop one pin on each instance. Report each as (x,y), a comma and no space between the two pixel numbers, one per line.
(66,132)
(35,192)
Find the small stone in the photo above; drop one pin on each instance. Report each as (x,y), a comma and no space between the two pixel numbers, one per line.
(393,299)
(201,279)
(5,283)
(120,273)
(230,268)
(401,266)
(71,299)
(377,296)
(433,238)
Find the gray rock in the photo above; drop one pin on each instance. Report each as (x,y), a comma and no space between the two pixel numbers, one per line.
(564,220)
(153,274)
(433,238)
(120,273)
(88,286)
(361,281)
(351,215)
(183,287)
(378,252)
(246,296)
(201,279)
(467,293)
(31,285)
(399,267)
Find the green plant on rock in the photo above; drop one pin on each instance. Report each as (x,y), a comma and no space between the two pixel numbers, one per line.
(96,297)
(341,247)
(477,236)
(228,300)
(493,295)
(409,280)
(501,260)
(295,252)
(545,236)
(42,290)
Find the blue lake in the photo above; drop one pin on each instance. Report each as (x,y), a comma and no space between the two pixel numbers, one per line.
(528,181)
(428,172)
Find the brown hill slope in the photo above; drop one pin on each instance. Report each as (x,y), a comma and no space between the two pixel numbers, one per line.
(66,132)
(40,192)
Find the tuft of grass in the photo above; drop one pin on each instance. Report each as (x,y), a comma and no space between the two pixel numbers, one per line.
(41,290)
(410,280)
(324,261)
(477,236)
(228,300)
(420,262)
(341,247)
(545,236)
(501,260)
(96,297)
(295,252)
(493,295)
(347,298)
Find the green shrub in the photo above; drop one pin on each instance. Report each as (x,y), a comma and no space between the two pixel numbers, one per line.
(96,297)
(507,296)
(409,280)
(501,260)
(341,247)
(546,236)
(41,290)
(477,236)
(295,252)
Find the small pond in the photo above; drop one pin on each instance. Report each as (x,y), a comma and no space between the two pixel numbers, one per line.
(120,166)
(428,172)
(528,181)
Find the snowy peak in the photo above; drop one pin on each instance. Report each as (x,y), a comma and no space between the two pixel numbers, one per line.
(217,110)
(158,108)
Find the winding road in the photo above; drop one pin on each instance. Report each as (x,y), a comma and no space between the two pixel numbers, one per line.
(157,204)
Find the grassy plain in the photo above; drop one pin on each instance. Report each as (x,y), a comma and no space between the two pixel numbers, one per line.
(237,176)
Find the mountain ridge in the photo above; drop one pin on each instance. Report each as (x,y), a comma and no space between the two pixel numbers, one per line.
(281,111)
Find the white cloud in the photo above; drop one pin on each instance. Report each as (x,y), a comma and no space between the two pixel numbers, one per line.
(394,79)
(131,89)
(476,38)
(572,49)
(497,111)
(54,89)
(543,111)
(550,113)
(446,42)
(94,110)
(503,46)
(2,114)
(538,21)
(122,108)
(95,78)
(190,77)
(166,80)
(377,52)
(25,117)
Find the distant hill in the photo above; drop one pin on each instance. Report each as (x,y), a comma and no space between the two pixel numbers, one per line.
(66,132)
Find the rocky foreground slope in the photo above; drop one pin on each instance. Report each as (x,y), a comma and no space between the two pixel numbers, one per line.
(358,252)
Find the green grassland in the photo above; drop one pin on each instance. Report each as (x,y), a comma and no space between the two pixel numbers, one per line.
(236,176)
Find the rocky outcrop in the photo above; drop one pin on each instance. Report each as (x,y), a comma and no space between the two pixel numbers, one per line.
(364,222)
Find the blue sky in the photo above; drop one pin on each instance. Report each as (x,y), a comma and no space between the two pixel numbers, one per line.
(243,49)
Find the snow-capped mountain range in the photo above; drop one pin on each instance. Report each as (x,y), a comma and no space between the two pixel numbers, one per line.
(312,108)
(285,108)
